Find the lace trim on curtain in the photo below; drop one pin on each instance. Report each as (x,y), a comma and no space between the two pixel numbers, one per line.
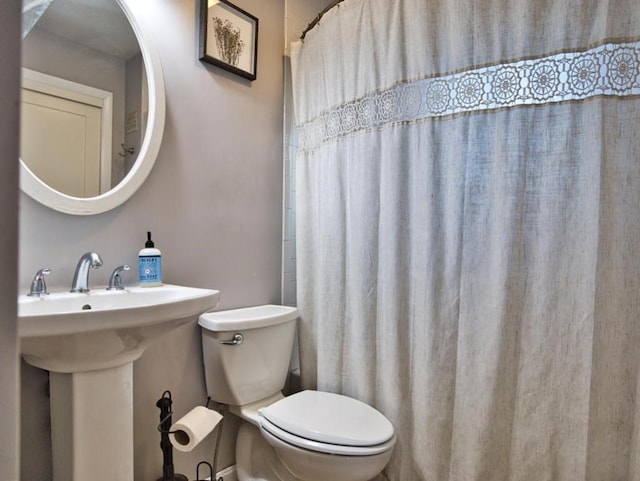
(610,69)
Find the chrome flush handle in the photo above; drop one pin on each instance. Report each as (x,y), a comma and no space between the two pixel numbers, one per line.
(236,340)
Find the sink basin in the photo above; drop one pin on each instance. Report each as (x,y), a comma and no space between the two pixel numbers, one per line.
(76,332)
(89,342)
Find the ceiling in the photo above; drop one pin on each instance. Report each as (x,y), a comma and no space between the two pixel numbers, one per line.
(98,24)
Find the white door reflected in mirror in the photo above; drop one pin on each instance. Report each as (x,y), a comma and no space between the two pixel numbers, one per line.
(65,134)
(60,140)
(129,72)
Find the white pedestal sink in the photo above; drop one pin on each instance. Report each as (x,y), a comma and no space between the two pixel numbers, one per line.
(89,342)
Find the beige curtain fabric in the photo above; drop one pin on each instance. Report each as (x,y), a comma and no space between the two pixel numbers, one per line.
(468,231)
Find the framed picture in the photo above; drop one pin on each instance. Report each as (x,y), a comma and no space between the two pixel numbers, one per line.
(228,37)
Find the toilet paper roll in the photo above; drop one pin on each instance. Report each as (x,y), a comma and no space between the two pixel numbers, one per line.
(193,427)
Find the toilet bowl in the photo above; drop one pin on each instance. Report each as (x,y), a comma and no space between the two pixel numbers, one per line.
(310,435)
(320,435)
(256,459)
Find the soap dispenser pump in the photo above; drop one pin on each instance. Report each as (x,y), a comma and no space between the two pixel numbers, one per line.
(150,264)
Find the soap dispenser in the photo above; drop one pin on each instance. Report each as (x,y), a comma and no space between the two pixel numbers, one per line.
(150,264)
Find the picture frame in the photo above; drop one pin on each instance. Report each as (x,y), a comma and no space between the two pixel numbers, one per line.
(229,38)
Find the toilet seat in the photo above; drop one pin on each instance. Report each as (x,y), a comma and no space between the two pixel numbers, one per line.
(328,423)
(269,429)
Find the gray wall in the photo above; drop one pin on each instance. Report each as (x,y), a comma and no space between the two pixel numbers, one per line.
(135,101)
(214,204)
(9,112)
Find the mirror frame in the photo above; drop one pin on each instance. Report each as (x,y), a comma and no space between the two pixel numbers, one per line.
(41,192)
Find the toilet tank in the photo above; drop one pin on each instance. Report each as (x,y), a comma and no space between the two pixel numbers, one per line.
(247,352)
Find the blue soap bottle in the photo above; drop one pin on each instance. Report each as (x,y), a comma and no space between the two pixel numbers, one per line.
(150,264)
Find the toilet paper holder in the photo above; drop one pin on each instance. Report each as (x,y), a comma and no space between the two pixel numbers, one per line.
(168,474)
(164,403)
(184,436)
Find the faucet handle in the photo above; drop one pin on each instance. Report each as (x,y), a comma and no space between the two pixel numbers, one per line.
(115,281)
(38,285)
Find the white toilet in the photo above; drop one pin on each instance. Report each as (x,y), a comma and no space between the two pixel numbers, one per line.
(310,435)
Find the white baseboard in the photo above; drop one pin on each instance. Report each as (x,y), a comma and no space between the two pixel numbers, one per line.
(227,474)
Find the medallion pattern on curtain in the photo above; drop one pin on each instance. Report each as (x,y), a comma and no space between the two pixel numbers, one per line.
(611,69)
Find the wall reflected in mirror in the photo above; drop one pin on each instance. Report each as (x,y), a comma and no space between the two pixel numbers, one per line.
(85,97)
(32,10)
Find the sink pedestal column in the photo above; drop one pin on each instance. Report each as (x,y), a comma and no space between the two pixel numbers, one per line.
(92,425)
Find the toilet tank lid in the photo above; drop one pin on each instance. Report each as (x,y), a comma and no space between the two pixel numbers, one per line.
(247,318)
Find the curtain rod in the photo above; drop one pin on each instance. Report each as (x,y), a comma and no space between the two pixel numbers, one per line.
(320,15)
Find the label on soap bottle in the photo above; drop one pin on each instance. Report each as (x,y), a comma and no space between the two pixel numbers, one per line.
(150,269)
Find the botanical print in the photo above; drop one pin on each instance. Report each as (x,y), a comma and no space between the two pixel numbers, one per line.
(229,37)
(228,41)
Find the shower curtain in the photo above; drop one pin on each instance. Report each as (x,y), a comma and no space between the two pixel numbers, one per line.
(468,231)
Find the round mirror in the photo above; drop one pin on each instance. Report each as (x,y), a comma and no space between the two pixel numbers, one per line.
(93,105)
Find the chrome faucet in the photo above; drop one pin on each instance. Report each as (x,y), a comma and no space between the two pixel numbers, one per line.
(81,276)
(38,285)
